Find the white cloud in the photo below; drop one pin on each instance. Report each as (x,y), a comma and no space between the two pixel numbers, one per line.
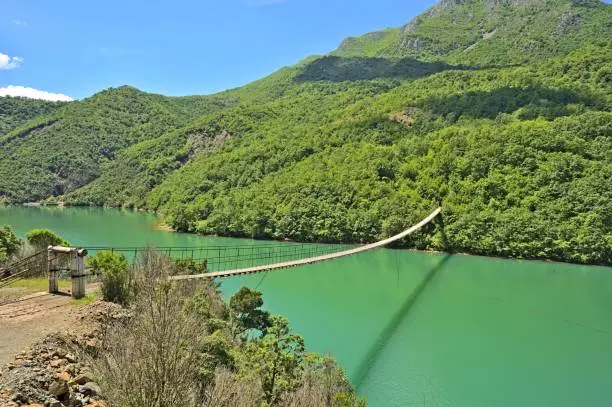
(20,23)
(7,62)
(32,93)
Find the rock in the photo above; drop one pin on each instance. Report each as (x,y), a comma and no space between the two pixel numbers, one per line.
(19,398)
(49,374)
(76,400)
(82,379)
(63,376)
(57,362)
(58,388)
(90,389)
(71,369)
(92,343)
(53,403)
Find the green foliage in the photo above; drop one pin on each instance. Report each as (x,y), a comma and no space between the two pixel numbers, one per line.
(56,154)
(499,111)
(367,159)
(43,238)
(275,359)
(485,33)
(246,314)
(9,243)
(279,361)
(178,350)
(190,266)
(16,111)
(216,352)
(114,270)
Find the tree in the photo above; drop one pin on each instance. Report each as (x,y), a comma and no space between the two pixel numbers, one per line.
(9,243)
(176,349)
(276,358)
(246,313)
(43,238)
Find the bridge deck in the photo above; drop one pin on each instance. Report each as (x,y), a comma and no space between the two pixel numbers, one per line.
(311,260)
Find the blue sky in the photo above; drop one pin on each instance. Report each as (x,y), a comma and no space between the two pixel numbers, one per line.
(175,47)
(180,47)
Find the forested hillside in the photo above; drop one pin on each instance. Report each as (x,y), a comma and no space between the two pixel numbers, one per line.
(519,158)
(15,111)
(497,110)
(57,153)
(489,32)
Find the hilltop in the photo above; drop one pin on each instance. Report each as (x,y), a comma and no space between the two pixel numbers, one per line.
(489,32)
(499,110)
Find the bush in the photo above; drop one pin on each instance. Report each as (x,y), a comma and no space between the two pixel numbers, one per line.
(114,270)
(43,238)
(9,243)
(190,266)
(178,350)
(154,361)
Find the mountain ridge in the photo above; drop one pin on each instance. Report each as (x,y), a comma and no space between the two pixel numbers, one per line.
(516,28)
(357,145)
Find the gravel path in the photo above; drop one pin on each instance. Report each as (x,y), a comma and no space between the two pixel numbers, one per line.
(28,319)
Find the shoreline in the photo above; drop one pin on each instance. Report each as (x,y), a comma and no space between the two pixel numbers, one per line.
(161,226)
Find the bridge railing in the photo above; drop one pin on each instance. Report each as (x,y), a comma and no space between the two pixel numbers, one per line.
(34,265)
(222,258)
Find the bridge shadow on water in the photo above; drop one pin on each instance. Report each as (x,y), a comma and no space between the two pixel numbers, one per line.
(387,333)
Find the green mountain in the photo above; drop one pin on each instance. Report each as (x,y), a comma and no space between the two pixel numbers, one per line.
(57,153)
(498,110)
(489,32)
(15,111)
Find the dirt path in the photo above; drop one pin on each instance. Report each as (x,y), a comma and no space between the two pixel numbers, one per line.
(25,320)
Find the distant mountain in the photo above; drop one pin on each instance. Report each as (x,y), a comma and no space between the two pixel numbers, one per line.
(490,32)
(58,153)
(15,111)
(498,110)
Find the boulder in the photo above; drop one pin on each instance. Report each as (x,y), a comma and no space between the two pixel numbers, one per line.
(90,389)
(82,379)
(57,362)
(58,388)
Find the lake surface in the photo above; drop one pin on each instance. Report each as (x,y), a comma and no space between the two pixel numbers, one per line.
(415,329)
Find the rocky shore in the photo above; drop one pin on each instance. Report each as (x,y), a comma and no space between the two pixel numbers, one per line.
(57,371)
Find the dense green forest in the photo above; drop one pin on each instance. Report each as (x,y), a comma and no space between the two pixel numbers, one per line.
(498,111)
(15,111)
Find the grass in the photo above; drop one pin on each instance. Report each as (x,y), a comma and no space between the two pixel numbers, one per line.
(88,299)
(30,286)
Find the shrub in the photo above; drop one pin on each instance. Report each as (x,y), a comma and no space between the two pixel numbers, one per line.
(114,270)
(9,243)
(43,238)
(190,266)
(178,350)
(154,361)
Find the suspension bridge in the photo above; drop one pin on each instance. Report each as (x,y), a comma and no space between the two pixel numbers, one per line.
(203,262)
(315,259)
